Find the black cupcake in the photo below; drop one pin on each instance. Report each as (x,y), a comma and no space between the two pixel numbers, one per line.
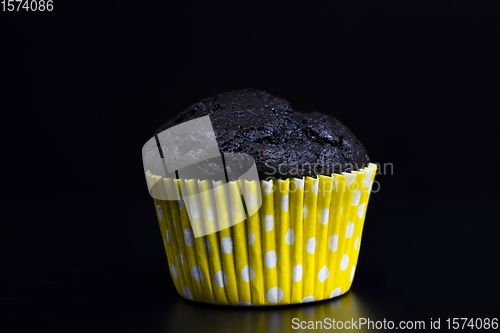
(291,236)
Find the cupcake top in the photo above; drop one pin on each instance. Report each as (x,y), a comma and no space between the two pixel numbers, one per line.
(283,142)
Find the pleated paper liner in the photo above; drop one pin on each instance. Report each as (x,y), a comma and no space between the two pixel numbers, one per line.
(301,245)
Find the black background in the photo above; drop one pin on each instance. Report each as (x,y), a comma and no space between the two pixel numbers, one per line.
(82,88)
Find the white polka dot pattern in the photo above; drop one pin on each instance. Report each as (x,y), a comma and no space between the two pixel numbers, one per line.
(350,230)
(268,187)
(195,213)
(284,203)
(352,272)
(247,273)
(275,295)
(206,244)
(356,196)
(290,237)
(250,201)
(220,279)
(211,212)
(308,299)
(227,245)
(344,262)
(188,237)
(350,179)
(251,238)
(367,179)
(361,210)
(323,274)
(271,259)
(174,271)
(187,292)
(356,243)
(160,213)
(244,303)
(311,245)
(197,273)
(323,215)
(297,273)
(304,211)
(336,292)
(268,222)
(168,237)
(333,242)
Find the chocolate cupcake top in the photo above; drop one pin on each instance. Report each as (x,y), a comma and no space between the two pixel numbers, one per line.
(283,142)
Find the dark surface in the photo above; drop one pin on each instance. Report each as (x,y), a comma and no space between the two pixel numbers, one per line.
(84,87)
(283,142)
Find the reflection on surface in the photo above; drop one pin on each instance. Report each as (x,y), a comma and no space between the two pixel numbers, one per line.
(188,316)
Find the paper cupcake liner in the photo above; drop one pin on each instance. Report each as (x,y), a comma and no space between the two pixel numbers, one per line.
(301,245)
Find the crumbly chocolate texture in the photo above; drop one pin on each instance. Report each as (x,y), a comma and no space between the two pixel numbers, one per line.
(284,143)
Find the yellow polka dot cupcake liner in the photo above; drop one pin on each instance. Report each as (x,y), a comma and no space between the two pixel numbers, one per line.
(301,245)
